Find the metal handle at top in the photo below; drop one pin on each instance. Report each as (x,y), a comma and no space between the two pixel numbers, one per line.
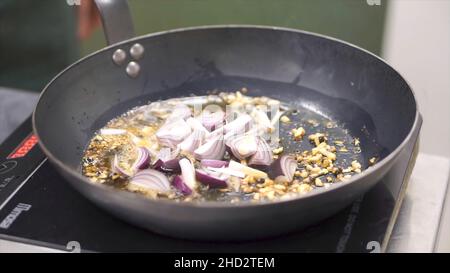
(116,20)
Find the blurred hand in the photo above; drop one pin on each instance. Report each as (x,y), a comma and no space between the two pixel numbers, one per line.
(88,19)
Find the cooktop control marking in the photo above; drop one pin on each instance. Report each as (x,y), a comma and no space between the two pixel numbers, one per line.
(12,216)
(7,166)
(21,185)
(24,147)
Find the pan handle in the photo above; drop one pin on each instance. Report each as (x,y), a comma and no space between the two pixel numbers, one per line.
(116,20)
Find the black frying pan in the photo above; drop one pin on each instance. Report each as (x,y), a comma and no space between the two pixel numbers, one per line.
(326,76)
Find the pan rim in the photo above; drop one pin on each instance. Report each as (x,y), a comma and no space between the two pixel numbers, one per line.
(214,204)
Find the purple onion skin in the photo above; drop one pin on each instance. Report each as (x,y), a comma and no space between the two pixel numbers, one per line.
(143,160)
(157,165)
(264,168)
(217,151)
(146,162)
(216,126)
(213,121)
(166,136)
(179,184)
(209,180)
(276,168)
(171,165)
(263,152)
(217,132)
(144,166)
(214,163)
(148,177)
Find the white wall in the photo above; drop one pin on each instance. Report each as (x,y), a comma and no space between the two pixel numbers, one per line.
(417,44)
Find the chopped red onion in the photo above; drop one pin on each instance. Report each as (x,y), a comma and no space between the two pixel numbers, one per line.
(262,119)
(172,165)
(167,160)
(179,184)
(170,134)
(285,166)
(213,180)
(142,159)
(118,169)
(168,154)
(246,170)
(195,124)
(212,119)
(188,173)
(180,111)
(193,141)
(142,162)
(151,179)
(263,156)
(212,149)
(227,171)
(243,146)
(215,133)
(240,124)
(214,163)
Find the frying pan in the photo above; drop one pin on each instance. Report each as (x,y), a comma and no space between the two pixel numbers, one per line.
(327,76)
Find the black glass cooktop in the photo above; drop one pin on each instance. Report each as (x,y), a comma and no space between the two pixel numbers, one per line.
(38,207)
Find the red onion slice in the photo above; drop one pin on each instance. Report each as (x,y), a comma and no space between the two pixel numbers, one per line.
(227,171)
(188,173)
(212,119)
(142,162)
(212,149)
(263,156)
(167,160)
(195,124)
(172,133)
(142,159)
(215,133)
(192,142)
(211,180)
(168,154)
(181,111)
(240,124)
(172,165)
(150,180)
(179,184)
(247,170)
(118,169)
(243,146)
(214,163)
(285,166)
(262,119)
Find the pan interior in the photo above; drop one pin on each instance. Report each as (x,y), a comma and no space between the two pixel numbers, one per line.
(321,77)
(315,112)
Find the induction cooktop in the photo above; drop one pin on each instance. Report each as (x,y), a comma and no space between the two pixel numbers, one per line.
(38,207)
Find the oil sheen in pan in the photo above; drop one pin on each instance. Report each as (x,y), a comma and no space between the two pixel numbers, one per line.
(313,123)
(312,119)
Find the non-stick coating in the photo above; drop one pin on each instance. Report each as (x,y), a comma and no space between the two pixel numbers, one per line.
(332,78)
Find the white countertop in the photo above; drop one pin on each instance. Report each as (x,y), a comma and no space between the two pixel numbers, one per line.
(419,226)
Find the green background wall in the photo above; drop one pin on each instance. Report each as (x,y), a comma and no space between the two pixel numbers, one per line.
(351,20)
